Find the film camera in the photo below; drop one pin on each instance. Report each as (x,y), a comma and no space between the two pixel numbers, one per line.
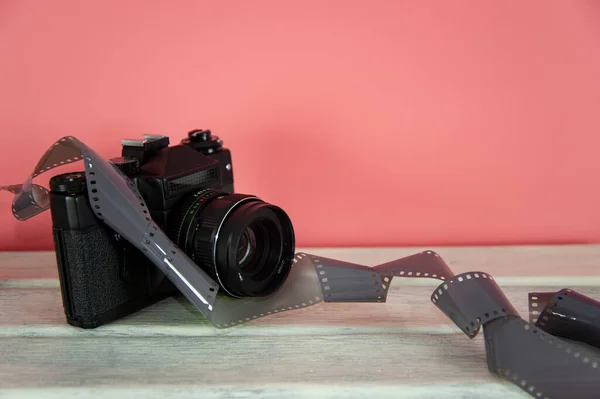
(242,242)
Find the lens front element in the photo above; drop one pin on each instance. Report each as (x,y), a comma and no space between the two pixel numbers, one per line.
(247,250)
(244,248)
(246,244)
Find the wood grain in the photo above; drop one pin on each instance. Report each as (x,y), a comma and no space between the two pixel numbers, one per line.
(405,348)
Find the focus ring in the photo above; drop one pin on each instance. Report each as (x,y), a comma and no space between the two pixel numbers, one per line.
(184,214)
(202,245)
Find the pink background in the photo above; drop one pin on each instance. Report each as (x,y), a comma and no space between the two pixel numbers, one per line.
(371,122)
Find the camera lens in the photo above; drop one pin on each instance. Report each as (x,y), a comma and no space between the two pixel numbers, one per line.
(244,243)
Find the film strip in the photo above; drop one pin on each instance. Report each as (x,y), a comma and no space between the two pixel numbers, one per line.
(530,354)
(554,355)
(315,279)
(541,364)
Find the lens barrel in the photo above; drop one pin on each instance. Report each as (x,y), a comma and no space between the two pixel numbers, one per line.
(244,243)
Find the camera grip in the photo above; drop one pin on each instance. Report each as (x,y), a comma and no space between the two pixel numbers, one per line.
(90,281)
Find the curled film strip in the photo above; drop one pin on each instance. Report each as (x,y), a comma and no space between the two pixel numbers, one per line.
(542,364)
(527,354)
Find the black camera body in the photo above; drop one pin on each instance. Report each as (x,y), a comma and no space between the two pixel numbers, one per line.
(189,193)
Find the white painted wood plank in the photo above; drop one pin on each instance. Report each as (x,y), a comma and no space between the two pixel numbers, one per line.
(480,390)
(39,313)
(520,261)
(402,364)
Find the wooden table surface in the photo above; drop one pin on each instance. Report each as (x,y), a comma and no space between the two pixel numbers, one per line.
(405,348)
